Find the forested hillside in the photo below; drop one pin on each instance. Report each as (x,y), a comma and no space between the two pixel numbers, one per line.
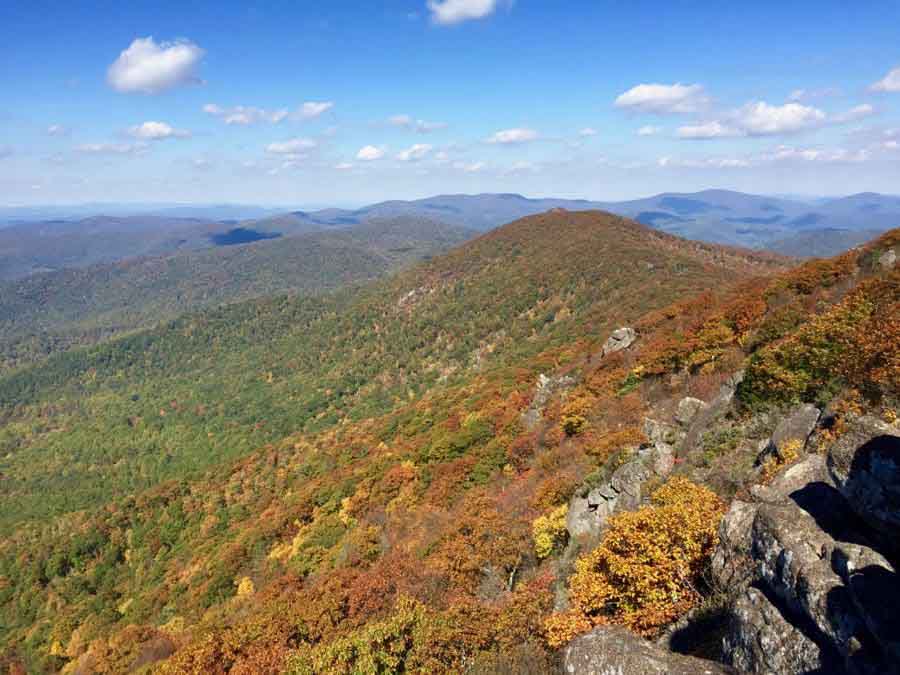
(379,480)
(46,313)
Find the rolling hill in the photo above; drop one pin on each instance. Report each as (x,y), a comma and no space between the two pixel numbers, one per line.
(375,478)
(45,313)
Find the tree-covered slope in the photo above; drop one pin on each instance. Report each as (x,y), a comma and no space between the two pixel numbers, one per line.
(390,422)
(51,312)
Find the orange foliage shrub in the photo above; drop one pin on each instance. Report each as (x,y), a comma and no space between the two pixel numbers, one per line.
(645,571)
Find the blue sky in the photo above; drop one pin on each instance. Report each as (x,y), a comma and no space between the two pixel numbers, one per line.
(343,103)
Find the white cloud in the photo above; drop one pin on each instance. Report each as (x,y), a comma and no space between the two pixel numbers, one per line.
(157,131)
(57,130)
(343,166)
(247,115)
(312,109)
(293,146)
(707,130)
(664,98)
(470,167)
(808,94)
(111,148)
(369,153)
(587,132)
(856,113)
(150,68)
(415,153)
(762,119)
(708,163)
(838,155)
(757,119)
(447,12)
(513,136)
(648,130)
(419,126)
(889,83)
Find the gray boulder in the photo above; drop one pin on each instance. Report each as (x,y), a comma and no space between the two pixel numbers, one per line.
(613,650)
(864,464)
(687,410)
(587,515)
(732,565)
(797,427)
(621,338)
(888,259)
(761,641)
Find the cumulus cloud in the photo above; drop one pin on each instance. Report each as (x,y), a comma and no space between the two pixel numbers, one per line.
(512,136)
(57,130)
(419,126)
(292,146)
(762,119)
(111,148)
(149,67)
(757,119)
(157,131)
(448,12)
(664,98)
(415,153)
(369,153)
(648,130)
(889,83)
(248,115)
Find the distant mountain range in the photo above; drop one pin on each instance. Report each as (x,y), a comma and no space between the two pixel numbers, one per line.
(802,228)
(719,216)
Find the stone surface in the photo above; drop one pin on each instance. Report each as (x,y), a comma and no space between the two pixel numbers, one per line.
(613,650)
(546,387)
(731,563)
(687,410)
(706,417)
(587,515)
(888,259)
(796,427)
(818,584)
(864,464)
(621,338)
(810,470)
(761,641)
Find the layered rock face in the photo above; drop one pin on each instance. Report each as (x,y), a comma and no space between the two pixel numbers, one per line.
(613,650)
(813,553)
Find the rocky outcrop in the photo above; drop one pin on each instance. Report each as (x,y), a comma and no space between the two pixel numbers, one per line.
(687,410)
(621,338)
(864,464)
(817,584)
(705,417)
(588,514)
(761,640)
(795,429)
(546,387)
(613,650)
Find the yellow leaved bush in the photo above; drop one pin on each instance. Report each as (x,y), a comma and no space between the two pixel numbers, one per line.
(645,572)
